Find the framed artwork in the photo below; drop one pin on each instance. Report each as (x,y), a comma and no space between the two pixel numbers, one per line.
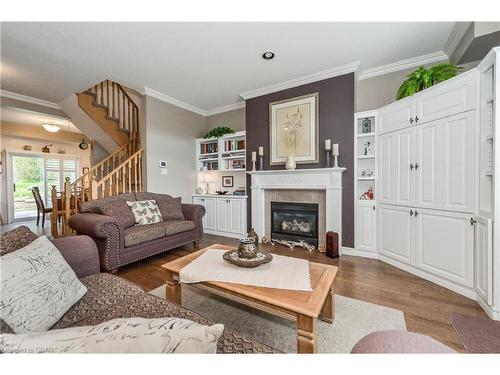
(85,170)
(293,130)
(227,181)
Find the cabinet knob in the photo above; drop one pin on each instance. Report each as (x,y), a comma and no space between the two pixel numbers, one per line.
(203,199)
(411,166)
(411,212)
(373,208)
(416,213)
(416,119)
(472,221)
(411,120)
(416,166)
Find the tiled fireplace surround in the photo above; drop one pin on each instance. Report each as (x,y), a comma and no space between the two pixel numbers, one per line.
(322,186)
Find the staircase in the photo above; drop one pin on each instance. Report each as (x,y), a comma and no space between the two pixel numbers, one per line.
(115,112)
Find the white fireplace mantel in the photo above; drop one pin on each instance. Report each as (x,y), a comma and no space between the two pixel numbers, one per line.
(328,179)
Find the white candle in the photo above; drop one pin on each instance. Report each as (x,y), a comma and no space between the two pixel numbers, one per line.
(261,151)
(254,156)
(328,144)
(335,149)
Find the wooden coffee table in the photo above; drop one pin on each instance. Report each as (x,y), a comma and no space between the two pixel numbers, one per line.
(304,308)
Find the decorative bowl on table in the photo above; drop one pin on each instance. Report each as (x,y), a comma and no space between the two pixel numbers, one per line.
(220,192)
(247,255)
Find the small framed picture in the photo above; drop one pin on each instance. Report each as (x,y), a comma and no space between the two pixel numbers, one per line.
(85,170)
(227,181)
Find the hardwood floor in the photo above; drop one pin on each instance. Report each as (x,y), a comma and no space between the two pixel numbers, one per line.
(426,306)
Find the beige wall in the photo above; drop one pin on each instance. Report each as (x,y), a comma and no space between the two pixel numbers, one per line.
(373,93)
(170,134)
(232,119)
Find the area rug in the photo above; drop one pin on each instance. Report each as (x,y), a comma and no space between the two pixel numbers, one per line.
(478,334)
(354,320)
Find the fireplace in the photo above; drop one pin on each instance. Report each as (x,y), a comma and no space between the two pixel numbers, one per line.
(294,222)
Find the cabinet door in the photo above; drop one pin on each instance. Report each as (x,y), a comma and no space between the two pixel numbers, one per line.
(237,212)
(396,233)
(210,212)
(386,165)
(365,226)
(447,98)
(223,215)
(396,116)
(426,166)
(444,243)
(457,152)
(483,246)
(404,176)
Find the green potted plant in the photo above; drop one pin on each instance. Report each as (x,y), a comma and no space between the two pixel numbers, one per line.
(218,132)
(423,78)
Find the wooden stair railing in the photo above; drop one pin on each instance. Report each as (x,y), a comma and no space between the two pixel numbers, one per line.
(124,178)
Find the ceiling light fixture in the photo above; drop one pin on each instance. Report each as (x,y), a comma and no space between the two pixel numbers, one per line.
(268,55)
(51,128)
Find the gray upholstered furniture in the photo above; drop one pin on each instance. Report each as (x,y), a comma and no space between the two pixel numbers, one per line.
(109,296)
(110,223)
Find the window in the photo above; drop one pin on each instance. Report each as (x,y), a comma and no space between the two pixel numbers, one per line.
(56,170)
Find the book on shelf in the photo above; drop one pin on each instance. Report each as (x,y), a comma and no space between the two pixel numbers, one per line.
(234,145)
(210,166)
(208,148)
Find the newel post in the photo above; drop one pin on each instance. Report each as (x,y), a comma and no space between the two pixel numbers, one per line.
(67,205)
(55,213)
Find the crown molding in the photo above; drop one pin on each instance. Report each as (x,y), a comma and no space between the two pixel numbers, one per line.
(403,64)
(29,99)
(324,74)
(456,36)
(225,108)
(178,103)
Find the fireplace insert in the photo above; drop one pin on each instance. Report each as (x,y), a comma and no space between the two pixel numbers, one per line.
(294,222)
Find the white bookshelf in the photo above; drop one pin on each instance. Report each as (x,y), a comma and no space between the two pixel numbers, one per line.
(226,153)
(365,160)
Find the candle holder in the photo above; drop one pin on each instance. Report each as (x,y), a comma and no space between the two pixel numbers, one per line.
(335,161)
(261,163)
(327,158)
(253,165)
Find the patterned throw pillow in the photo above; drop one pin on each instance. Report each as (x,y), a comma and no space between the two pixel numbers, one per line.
(132,335)
(145,212)
(37,287)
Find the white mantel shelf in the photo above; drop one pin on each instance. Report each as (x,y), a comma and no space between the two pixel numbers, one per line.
(327,179)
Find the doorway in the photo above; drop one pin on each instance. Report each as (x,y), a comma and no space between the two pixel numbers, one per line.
(27,173)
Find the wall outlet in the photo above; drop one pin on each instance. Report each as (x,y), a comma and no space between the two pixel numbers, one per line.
(162,164)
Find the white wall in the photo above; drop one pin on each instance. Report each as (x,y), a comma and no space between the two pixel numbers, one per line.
(170,134)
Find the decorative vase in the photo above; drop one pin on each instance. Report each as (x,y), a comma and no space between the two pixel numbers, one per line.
(290,162)
(247,248)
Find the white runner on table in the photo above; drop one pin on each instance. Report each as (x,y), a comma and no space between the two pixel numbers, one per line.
(281,273)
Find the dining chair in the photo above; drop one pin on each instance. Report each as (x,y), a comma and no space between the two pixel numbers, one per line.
(40,206)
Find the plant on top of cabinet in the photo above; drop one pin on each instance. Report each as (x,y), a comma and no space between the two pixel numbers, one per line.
(218,132)
(423,78)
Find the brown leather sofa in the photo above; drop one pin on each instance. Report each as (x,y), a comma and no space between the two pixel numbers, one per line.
(111,297)
(110,223)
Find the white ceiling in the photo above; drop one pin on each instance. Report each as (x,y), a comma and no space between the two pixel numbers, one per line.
(206,65)
(21,116)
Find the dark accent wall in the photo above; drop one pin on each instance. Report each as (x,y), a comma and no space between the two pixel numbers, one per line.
(336,116)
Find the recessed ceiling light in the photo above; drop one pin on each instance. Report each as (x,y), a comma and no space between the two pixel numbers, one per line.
(268,55)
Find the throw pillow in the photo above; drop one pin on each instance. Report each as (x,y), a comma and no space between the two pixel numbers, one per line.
(120,211)
(16,239)
(37,287)
(132,335)
(170,208)
(145,212)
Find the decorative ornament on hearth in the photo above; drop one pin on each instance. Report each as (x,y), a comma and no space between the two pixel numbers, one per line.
(367,195)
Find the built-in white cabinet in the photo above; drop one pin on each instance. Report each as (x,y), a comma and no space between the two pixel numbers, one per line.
(483,244)
(444,245)
(442,100)
(396,233)
(225,215)
(366,226)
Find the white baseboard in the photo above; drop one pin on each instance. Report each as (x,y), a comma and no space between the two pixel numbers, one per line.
(223,234)
(467,292)
(358,253)
(493,314)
